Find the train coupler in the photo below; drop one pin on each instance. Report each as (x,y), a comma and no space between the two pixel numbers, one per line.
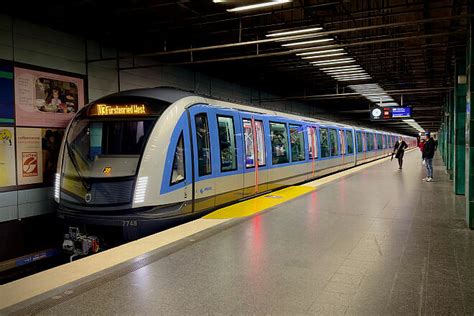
(78,244)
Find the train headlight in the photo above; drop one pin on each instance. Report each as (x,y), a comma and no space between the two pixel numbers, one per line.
(57,183)
(140,190)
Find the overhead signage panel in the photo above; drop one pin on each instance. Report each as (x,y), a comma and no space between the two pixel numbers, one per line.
(390,113)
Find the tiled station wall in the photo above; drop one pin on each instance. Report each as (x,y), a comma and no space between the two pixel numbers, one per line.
(36,45)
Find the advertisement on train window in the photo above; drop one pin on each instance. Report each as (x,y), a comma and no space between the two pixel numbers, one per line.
(7,157)
(46,99)
(6,94)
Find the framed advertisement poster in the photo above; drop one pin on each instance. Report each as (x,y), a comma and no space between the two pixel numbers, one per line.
(46,99)
(6,93)
(7,157)
(29,156)
(37,155)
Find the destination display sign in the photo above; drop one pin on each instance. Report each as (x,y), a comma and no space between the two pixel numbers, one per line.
(390,113)
(102,109)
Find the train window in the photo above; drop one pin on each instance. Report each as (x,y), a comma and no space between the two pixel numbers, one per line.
(349,142)
(227,143)
(279,138)
(249,149)
(297,143)
(203,145)
(370,141)
(312,143)
(333,141)
(323,134)
(178,173)
(360,144)
(379,141)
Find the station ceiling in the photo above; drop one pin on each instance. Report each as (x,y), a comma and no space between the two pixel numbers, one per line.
(408,48)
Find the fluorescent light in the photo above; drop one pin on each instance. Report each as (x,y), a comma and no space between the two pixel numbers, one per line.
(390,104)
(337,59)
(313,29)
(321,52)
(350,76)
(352,79)
(333,62)
(342,67)
(344,71)
(324,56)
(296,37)
(321,40)
(258,5)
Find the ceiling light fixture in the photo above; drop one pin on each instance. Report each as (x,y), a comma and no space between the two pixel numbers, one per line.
(258,5)
(321,40)
(321,52)
(344,71)
(313,29)
(325,63)
(352,79)
(324,56)
(342,67)
(350,76)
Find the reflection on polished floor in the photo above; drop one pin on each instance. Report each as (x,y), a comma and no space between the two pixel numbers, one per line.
(376,242)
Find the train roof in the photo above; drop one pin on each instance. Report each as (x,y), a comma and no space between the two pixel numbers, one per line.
(172,95)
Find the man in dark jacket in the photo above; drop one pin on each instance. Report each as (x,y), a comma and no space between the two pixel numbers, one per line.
(428,154)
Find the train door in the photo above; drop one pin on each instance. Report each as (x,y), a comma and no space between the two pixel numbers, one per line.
(230,178)
(255,167)
(312,148)
(342,144)
(203,130)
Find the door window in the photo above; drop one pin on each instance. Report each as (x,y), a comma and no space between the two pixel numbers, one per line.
(360,144)
(349,142)
(203,144)
(279,138)
(312,143)
(323,134)
(333,141)
(249,143)
(297,143)
(227,143)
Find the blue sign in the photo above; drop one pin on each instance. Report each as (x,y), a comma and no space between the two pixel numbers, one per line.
(401,112)
(6,94)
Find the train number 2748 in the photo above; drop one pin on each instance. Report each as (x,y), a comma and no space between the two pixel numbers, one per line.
(129,223)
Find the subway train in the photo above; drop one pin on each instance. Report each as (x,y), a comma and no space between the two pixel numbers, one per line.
(138,160)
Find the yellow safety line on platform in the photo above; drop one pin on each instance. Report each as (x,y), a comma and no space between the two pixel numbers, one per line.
(258,204)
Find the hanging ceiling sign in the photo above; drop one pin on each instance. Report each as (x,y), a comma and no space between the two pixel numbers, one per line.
(390,113)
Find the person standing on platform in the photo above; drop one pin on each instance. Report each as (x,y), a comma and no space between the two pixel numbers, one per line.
(421,145)
(399,148)
(428,154)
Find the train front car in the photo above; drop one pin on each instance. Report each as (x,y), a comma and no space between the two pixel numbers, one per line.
(111,164)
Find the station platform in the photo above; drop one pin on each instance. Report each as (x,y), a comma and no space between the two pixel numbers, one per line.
(375,240)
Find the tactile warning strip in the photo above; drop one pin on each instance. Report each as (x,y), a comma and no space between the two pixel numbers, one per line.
(258,204)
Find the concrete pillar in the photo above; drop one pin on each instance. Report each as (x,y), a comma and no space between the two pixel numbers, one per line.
(450,136)
(459,160)
(470,129)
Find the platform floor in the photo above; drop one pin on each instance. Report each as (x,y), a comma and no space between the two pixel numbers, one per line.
(379,241)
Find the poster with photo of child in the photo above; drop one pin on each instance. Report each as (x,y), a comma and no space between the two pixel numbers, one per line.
(46,99)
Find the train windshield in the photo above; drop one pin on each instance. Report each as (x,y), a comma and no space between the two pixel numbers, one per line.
(98,148)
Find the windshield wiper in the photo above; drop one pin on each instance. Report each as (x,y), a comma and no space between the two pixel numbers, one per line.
(74,163)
